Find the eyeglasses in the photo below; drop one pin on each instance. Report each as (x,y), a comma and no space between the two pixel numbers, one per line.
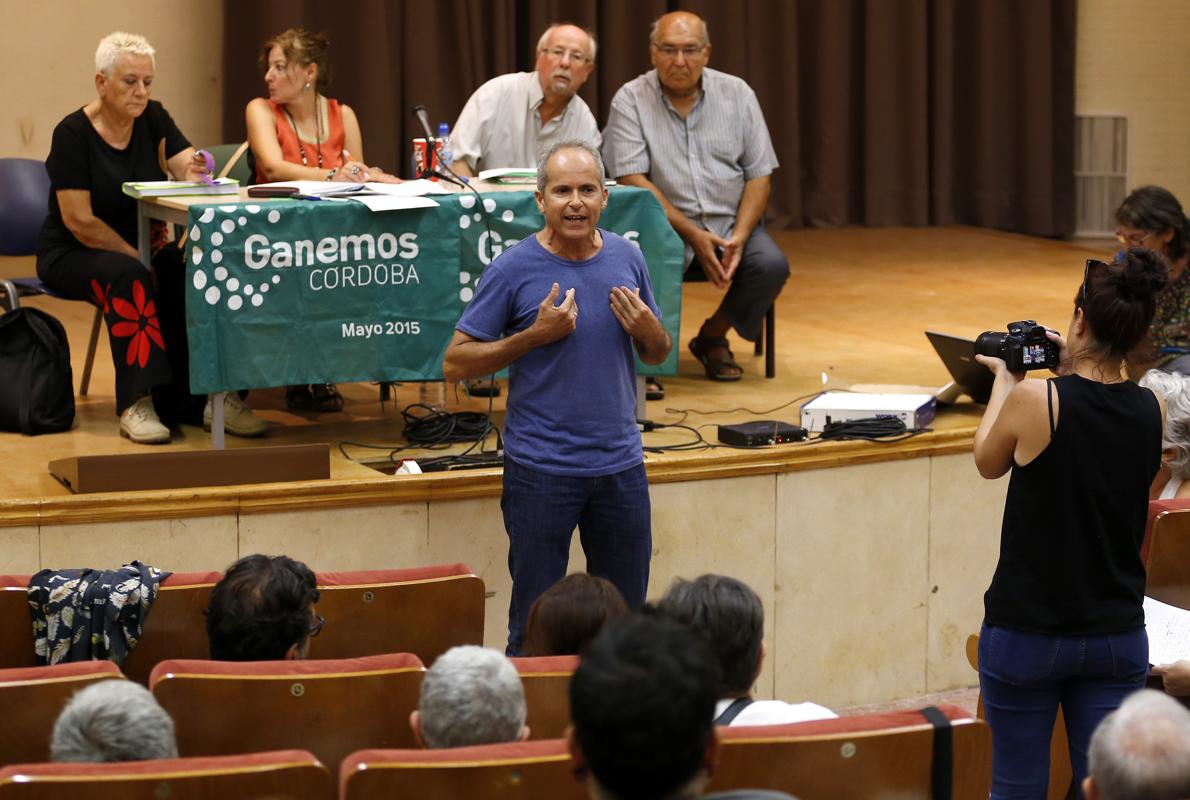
(1133,239)
(316,628)
(1091,262)
(558,54)
(669,52)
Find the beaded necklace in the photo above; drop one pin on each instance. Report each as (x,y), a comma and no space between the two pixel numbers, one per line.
(317,134)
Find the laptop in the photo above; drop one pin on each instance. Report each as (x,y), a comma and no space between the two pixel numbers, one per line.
(970,377)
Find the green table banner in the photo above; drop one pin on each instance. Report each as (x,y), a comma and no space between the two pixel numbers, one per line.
(297,292)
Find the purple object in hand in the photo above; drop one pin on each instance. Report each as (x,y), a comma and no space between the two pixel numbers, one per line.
(208,176)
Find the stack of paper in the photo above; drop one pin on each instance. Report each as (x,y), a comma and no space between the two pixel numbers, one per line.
(376,196)
(139,189)
(518,175)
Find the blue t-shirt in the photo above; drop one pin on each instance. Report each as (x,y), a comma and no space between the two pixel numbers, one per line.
(572,403)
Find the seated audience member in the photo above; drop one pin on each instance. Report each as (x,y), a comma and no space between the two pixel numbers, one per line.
(1141,751)
(641,700)
(1171,480)
(570,614)
(470,696)
(1152,217)
(262,610)
(113,720)
(299,133)
(88,244)
(728,615)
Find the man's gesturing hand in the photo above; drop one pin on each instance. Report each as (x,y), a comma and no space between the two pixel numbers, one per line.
(554,322)
(635,317)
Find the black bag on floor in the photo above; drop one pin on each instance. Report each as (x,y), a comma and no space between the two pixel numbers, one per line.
(36,382)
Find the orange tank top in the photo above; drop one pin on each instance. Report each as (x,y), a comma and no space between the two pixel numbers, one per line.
(332,140)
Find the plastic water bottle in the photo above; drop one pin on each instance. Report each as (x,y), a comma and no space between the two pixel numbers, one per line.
(445,154)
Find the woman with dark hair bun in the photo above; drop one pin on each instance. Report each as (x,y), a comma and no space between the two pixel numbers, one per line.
(1063,622)
(1152,217)
(570,613)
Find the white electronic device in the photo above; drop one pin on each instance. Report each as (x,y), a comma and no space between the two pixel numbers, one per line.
(915,410)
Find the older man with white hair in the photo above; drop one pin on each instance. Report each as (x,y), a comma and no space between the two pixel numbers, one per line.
(115,720)
(470,696)
(1141,751)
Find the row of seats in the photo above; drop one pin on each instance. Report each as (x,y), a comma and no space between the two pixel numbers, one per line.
(851,758)
(424,611)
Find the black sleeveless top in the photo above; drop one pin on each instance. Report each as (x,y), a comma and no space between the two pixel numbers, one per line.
(1075,516)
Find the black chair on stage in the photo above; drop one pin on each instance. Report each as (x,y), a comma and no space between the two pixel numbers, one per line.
(766,345)
(24,203)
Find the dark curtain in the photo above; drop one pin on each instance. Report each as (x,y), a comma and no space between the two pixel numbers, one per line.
(883,112)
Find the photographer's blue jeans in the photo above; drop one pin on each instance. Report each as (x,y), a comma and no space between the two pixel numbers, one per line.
(541,510)
(1024,676)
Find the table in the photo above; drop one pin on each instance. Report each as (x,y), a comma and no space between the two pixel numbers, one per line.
(283,292)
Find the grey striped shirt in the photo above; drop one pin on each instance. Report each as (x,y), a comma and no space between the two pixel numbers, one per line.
(700,162)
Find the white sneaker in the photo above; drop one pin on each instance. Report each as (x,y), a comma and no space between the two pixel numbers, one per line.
(139,423)
(238,419)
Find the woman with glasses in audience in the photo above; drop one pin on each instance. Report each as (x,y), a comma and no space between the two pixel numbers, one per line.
(298,133)
(1152,217)
(1063,621)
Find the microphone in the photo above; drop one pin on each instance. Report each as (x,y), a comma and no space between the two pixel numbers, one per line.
(428,170)
(419,111)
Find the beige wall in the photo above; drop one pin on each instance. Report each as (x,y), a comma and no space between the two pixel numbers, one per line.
(47,58)
(1133,59)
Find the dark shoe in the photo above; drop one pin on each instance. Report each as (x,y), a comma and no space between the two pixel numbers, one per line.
(653,389)
(326,397)
(716,358)
(483,387)
(298,398)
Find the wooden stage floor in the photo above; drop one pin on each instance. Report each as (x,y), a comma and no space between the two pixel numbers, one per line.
(853,312)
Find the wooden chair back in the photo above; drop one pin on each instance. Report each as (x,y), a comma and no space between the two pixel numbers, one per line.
(520,771)
(331,708)
(290,774)
(31,699)
(16,625)
(547,693)
(1168,553)
(854,758)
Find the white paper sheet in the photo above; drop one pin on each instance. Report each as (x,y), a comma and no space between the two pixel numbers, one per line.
(385,202)
(1169,632)
(415,188)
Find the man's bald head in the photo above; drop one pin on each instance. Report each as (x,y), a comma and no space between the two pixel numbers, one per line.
(679,22)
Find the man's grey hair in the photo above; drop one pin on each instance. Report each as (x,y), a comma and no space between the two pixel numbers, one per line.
(120,43)
(1142,750)
(592,47)
(1175,390)
(704,37)
(472,695)
(115,720)
(544,157)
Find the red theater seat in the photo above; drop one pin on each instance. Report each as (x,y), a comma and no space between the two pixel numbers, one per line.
(289,774)
(547,693)
(329,707)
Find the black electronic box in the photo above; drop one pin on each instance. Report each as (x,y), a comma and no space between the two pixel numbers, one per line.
(761,433)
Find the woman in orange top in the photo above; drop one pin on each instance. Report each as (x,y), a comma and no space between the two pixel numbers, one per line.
(300,134)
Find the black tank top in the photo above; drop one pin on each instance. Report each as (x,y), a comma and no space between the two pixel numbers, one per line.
(1075,516)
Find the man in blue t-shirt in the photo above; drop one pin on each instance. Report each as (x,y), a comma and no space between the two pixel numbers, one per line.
(572,449)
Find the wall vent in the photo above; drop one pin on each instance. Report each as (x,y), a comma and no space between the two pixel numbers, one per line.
(1100,172)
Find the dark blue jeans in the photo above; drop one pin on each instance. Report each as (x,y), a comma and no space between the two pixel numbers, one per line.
(1025,676)
(540,513)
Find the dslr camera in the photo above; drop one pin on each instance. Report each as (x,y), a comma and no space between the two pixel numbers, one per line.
(1023,348)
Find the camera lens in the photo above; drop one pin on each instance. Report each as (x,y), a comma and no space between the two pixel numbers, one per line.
(989,343)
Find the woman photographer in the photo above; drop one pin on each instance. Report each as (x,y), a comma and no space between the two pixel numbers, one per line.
(1063,623)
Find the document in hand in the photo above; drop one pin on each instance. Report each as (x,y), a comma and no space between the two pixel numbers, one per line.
(139,189)
(1169,632)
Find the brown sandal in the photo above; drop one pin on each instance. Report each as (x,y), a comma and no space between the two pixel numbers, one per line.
(718,368)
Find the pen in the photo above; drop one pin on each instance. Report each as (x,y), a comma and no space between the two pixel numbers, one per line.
(305,197)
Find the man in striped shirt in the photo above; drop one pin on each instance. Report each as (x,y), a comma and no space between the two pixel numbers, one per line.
(697,139)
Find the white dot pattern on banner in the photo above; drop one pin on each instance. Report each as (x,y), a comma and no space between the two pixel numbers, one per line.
(195,233)
(200,279)
(274,215)
(221,273)
(489,205)
(467,201)
(248,288)
(264,287)
(507,216)
(216,238)
(227,209)
(216,256)
(212,295)
(465,294)
(242,221)
(235,302)
(276,279)
(257,300)
(252,209)
(196,255)
(207,215)
(464,222)
(233,284)
(227,226)
(478,216)
(464,278)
